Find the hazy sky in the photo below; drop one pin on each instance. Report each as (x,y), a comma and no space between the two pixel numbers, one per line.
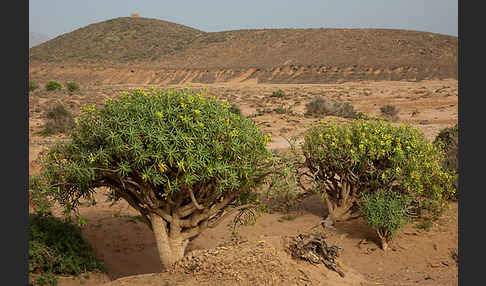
(56,17)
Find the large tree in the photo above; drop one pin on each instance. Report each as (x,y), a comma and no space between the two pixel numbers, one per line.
(177,157)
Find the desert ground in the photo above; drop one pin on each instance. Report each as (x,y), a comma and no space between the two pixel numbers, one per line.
(127,246)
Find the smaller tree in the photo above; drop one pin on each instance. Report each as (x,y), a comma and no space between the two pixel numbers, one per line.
(386,212)
(360,157)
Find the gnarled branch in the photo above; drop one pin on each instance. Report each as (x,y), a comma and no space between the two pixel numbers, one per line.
(194,200)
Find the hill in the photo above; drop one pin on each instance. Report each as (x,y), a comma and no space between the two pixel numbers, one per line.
(119,40)
(268,55)
(37,38)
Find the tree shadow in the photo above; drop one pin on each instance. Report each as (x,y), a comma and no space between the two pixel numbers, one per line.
(126,246)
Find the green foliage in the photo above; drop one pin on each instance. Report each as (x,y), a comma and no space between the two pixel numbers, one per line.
(321,106)
(385,211)
(372,155)
(164,142)
(58,120)
(390,111)
(279,93)
(448,141)
(72,86)
(33,85)
(53,85)
(57,247)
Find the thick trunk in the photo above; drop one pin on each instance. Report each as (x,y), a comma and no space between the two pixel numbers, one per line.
(384,244)
(341,213)
(340,210)
(383,238)
(171,247)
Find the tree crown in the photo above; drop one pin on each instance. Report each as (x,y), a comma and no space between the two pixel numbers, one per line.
(165,141)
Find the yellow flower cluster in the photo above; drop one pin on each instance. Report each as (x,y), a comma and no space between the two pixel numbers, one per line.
(162,167)
(89,108)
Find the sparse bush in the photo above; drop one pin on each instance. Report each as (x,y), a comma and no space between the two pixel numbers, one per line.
(282,110)
(178,158)
(360,157)
(282,193)
(33,85)
(279,93)
(58,248)
(288,185)
(386,212)
(390,111)
(321,106)
(235,109)
(425,224)
(53,85)
(455,255)
(72,86)
(448,141)
(58,120)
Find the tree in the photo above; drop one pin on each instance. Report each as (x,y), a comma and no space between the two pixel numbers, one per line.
(360,157)
(180,159)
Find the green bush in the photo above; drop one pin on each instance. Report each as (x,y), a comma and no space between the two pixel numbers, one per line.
(321,106)
(390,111)
(58,248)
(359,157)
(53,85)
(72,86)
(58,120)
(448,141)
(386,212)
(279,93)
(33,85)
(176,157)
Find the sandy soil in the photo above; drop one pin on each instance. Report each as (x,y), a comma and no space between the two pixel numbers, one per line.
(416,257)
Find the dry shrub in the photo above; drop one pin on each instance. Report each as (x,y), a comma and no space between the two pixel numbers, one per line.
(390,111)
(59,120)
(322,106)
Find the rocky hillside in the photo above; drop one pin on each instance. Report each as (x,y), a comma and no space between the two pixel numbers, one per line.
(176,52)
(37,38)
